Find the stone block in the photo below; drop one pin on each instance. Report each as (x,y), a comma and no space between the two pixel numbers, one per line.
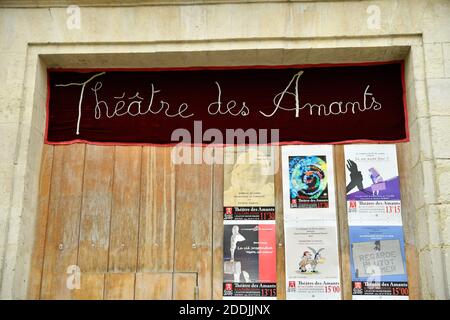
(443,180)
(440,133)
(8,141)
(434,60)
(446,51)
(439,97)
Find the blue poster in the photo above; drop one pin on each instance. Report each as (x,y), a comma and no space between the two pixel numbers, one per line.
(377,260)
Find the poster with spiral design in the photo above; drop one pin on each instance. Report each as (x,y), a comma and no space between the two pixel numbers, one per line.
(308,182)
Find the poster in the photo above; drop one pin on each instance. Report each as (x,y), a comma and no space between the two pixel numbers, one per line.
(309,205)
(249,192)
(372,184)
(308,187)
(249,242)
(308,182)
(249,265)
(312,260)
(378,263)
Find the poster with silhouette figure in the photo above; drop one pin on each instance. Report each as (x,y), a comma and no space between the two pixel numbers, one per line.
(308,182)
(378,262)
(312,260)
(249,260)
(249,192)
(372,184)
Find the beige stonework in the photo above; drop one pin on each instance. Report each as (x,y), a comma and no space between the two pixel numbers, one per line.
(35,35)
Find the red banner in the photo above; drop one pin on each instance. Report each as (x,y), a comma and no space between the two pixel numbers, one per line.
(229,105)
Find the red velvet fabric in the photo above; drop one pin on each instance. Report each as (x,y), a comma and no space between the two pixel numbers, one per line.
(257,87)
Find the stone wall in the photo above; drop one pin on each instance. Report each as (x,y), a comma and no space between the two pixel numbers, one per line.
(37,34)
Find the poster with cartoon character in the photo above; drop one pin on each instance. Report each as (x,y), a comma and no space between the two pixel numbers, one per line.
(249,267)
(249,192)
(372,184)
(312,260)
(378,262)
(308,182)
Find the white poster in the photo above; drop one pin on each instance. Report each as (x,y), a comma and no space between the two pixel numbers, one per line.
(372,184)
(249,188)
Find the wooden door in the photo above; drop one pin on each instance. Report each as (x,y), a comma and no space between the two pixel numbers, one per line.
(133,225)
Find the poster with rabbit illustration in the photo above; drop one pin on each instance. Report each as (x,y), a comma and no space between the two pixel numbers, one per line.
(372,184)
(312,260)
(249,192)
(249,260)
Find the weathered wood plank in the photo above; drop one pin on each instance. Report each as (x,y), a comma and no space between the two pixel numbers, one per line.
(153,286)
(193,227)
(125,210)
(204,267)
(413,271)
(157,217)
(96,209)
(184,286)
(61,246)
(217,228)
(342,221)
(91,288)
(217,193)
(119,286)
(281,272)
(37,260)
